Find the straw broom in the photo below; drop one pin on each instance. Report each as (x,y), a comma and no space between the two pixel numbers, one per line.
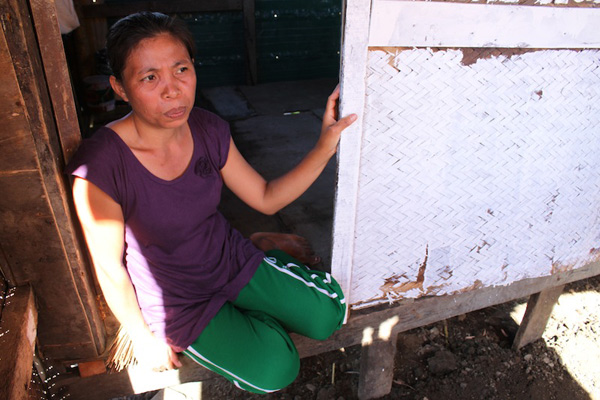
(120,353)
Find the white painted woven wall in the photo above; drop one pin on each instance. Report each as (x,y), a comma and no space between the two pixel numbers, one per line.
(472,173)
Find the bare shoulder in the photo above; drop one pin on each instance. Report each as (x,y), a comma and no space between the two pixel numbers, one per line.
(123,127)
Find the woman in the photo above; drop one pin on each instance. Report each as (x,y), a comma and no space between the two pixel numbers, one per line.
(174,273)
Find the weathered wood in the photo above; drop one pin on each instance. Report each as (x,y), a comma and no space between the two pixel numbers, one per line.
(17,342)
(376,322)
(435,24)
(36,226)
(99,10)
(16,155)
(537,313)
(354,59)
(377,367)
(250,36)
(57,75)
(91,368)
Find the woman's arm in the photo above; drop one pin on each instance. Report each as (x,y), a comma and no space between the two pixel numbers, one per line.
(270,197)
(102,221)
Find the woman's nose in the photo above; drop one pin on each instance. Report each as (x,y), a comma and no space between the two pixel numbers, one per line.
(171,87)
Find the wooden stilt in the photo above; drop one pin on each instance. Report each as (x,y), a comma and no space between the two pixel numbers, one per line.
(377,368)
(539,308)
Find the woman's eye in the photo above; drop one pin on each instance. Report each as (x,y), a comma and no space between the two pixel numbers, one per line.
(182,69)
(148,78)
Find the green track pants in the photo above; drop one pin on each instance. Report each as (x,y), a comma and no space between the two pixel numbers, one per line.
(247,341)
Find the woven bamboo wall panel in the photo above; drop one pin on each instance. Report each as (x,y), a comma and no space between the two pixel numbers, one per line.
(475,169)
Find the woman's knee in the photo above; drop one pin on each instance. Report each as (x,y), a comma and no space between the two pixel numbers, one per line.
(323,324)
(275,372)
(283,371)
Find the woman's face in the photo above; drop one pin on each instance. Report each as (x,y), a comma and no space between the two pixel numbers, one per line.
(159,82)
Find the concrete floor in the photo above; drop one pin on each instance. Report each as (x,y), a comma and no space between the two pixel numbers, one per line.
(274,125)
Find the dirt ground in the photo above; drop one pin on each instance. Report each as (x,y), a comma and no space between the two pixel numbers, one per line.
(469,357)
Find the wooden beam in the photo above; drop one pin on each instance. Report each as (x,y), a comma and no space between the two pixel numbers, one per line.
(17,342)
(413,313)
(135,380)
(353,88)
(57,75)
(98,10)
(443,24)
(250,36)
(537,313)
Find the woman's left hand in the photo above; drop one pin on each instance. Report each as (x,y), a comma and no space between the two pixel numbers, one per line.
(332,128)
(270,197)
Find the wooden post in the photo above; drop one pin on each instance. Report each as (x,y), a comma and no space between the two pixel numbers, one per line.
(377,368)
(250,39)
(57,75)
(539,308)
(17,342)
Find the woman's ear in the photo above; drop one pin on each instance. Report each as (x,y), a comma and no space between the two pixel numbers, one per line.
(118,88)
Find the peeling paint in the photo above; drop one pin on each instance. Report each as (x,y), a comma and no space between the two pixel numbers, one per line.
(558,267)
(392,53)
(433,290)
(472,55)
(475,285)
(393,286)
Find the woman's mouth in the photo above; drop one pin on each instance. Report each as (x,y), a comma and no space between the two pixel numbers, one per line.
(177,112)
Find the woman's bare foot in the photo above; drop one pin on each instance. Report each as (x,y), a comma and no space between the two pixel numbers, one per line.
(294,245)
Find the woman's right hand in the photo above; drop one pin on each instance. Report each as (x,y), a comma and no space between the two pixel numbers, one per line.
(153,353)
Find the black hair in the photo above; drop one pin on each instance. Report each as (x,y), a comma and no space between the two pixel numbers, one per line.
(129,31)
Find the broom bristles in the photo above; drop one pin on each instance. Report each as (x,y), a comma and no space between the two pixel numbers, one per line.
(120,353)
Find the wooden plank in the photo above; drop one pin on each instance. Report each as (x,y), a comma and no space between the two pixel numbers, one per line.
(16,152)
(57,75)
(39,210)
(98,10)
(537,313)
(135,380)
(377,323)
(17,342)
(67,127)
(354,59)
(435,24)
(413,313)
(29,239)
(250,36)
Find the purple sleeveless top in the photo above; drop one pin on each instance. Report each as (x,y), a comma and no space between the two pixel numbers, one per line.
(184,259)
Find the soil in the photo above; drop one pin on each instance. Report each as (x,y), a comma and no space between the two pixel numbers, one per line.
(469,357)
